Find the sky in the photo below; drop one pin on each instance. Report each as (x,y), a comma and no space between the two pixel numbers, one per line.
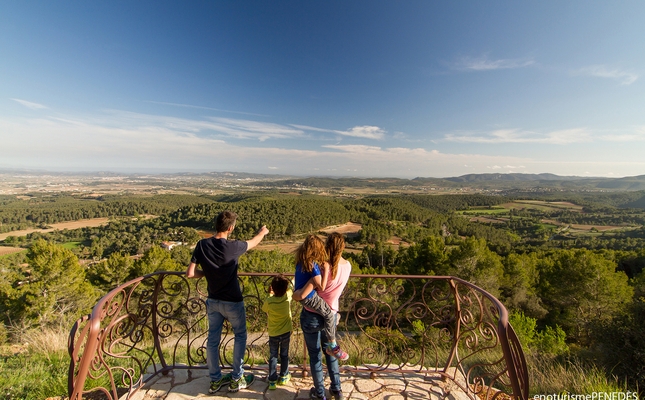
(324,88)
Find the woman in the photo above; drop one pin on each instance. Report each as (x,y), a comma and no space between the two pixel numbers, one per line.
(313,324)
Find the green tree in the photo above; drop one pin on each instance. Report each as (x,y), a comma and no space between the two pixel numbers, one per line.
(50,290)
(519,284)
(181,255)
(580,288)
(112,272)
(474,262)
(429,257)
(548,341)
(621,342)
(153,260)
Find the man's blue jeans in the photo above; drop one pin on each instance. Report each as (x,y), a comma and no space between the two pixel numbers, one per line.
(312,326)
(235,313)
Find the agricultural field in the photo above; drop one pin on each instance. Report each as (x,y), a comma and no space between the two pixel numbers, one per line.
(5,250)
(538,205)
(562,220)
(83,223)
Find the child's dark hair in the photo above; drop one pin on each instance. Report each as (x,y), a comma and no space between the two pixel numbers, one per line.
(279,285)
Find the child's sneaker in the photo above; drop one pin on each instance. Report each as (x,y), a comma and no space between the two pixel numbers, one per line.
(272,385)
(242,383)
(217,385)
(337,352)
(284,379)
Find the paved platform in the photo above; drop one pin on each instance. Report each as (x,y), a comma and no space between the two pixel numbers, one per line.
(184,384)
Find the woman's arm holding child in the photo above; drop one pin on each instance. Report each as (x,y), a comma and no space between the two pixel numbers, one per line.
(318,282)
(325,276)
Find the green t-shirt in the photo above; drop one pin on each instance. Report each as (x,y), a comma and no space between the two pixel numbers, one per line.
(278,310)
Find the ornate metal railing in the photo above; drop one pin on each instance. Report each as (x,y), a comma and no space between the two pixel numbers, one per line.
(430,325)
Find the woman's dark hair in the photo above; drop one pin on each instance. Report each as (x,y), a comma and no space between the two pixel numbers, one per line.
(335,245)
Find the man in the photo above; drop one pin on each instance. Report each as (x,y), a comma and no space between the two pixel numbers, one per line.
(218,258)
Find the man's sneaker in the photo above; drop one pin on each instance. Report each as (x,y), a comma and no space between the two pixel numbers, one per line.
(337,352)
(284,379)
(337,394)
(272,385)
(315,396)
(242,383)
(217,385)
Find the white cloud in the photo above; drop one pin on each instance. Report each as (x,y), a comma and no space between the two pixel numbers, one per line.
(564,136)
(246,129)
(130,141)
(311,128)
(366,132)
(138,141)
(350,148)
(29,104)
(632,135)
(216,127)
(485,64)
(508,168)
(603,71)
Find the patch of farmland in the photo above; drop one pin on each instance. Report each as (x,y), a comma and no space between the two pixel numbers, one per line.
(10,250)
(489,220)
(81,223)
(543,205)
(601,228)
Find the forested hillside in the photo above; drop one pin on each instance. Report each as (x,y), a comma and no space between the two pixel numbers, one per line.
(568,268)
(39,211)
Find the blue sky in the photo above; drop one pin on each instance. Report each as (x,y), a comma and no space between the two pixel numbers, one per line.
(334,88)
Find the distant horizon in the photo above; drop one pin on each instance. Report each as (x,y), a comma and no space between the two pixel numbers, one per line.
(197,172)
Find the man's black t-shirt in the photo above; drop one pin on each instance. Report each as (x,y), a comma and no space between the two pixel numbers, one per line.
(218,259)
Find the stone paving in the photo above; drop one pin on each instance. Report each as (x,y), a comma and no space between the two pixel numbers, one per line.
(184,384)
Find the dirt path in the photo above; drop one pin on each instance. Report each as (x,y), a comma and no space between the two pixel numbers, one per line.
(350,227)
(81,223)
(347,229)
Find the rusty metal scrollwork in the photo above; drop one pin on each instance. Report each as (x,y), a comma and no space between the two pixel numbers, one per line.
(430,325)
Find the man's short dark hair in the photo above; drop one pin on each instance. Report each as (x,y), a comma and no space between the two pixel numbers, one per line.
(225,220)
(279,285)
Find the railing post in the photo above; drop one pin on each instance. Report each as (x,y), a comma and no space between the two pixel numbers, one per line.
(93,328)
(155,331)
(457,332)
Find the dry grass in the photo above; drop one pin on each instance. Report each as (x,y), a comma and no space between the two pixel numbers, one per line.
(42,340)
(551,375)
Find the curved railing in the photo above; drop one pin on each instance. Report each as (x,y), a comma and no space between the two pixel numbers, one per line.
(433,325)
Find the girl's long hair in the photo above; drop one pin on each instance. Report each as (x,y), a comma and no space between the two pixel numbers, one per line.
(335,245)
(312,250)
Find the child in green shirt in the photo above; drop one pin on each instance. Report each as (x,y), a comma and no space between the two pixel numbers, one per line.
(278,308)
